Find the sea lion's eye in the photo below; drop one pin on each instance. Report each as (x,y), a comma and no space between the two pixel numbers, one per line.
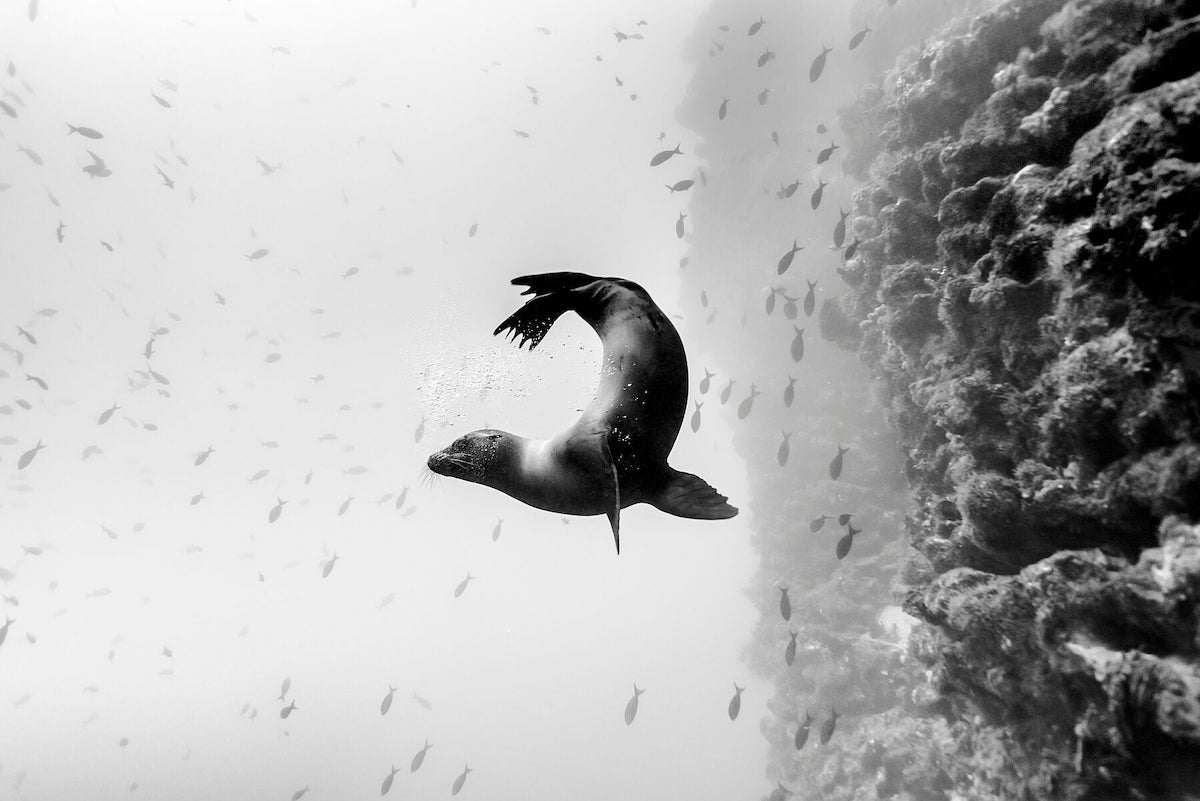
(494,437)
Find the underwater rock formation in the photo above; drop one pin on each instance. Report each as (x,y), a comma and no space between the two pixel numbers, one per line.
(1027,289)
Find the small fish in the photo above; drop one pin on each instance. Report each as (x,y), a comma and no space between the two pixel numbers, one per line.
(345,506)
(662,156)
(791,188)
(28,336)
(680,186)
(7,109)
(471,231)
(818,65)
(400,498)
(32,550)
(161,101)
(258,254)
(762,96)
(706,381)
(387,783)
(735,703)
(817,523)
(40,382)
(843,546)
(296,796)
(784,449)
(789,653)
(851,249)
(419,433)
(286,712)
(835,467)
(721,111)
(631,708)
(266,168)
(419,757)
(423,702)
(756,27)
(386,704)
(696,417)
(460,781)
(747,404)
(32,154)
(810,299)
(825,153)
(97,169)
(775,137)
(679,225)
(462,585)
(271,358)
(522,134)
(167,182)
(839,230)
(353,271)
(785,261)
(785,604)
(844,518)
(802,731)
(58,232)
(725,393)
(496,529)
(8,621)
(857,38)
(815,200)
(199,496)
(276,510)
(283,688)
(100,592)
(828,726)
(769,306)
(798,344)
(159,377)
(328,568)
(356,470)
(28,455)
(200,459)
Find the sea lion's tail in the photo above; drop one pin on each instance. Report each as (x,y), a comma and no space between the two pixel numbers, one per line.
(687,495)
(552,297)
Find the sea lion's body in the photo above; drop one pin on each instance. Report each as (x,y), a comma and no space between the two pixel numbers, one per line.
(615,455)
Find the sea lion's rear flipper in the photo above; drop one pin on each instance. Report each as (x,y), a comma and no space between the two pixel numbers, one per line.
(687,495)
(552,297)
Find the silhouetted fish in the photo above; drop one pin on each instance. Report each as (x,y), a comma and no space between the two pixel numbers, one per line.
(276,510)
(802,731)
(386,704)
(784,449)
(815,199)
(201,458)
(817,523)
(839,230)
(810,299)
(400,498)
(785,604)
(28,455)
(818,65)
(857,38)
(726,392)
(721,111)
(828,726)
(387,783)
(328,568)
(679,225)
(705,382)
(462,585)
(39,381)
(258,254)
(286,712)
(696,417)
(160,101)
(785,261)
(789,392)
(765,57)
(419,433)
(680,186)
(825,153)
(345,506)
(756,27)
(199,496)
(662,156)
(843,546)
(762,96)
(789,653)
(419,757)
(798,344)
(747,404)
(631,708)
(8,621)
(460,781)
(769,306)
(844,518)
(496,529)
(258,475)
(83,130)
(835,467)
(735,703)
(851,249)
(296,796)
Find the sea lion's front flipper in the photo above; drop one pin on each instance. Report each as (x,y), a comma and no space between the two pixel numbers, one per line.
(613,498)
(588,451)
(687,495)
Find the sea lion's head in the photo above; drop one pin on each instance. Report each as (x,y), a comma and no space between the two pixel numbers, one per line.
(475,456)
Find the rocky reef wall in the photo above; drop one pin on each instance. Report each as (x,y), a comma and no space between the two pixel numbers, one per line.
(1018,277)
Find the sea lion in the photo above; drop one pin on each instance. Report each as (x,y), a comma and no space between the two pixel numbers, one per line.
(615,455)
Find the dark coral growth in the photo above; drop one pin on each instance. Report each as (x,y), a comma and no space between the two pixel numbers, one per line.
(1030,295)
